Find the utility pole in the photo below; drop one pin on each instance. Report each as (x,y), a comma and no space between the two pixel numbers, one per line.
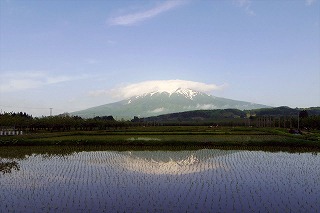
(50,111)
(298,121)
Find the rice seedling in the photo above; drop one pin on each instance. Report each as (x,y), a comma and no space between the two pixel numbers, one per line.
(161,181)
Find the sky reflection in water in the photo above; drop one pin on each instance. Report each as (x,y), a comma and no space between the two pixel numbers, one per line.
(162,181)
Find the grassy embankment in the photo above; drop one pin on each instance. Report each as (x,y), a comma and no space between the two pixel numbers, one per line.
(171,136)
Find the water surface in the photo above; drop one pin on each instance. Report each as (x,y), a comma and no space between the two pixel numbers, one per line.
(207,180)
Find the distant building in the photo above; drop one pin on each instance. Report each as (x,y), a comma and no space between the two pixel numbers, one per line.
(5,130)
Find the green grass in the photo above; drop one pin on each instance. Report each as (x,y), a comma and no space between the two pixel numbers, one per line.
(171,136)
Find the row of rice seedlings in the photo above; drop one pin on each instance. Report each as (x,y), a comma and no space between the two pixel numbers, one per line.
(162,181)
(278,180)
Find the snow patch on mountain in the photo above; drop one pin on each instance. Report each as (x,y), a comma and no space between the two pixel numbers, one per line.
(187,93)
(152,93)
(161,102)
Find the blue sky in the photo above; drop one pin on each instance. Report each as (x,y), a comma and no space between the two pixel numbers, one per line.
(70,55)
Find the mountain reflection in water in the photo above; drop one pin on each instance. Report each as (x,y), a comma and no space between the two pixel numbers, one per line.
(74,179)
(170,162)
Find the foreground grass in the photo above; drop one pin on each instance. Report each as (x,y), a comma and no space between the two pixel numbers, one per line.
(171,136)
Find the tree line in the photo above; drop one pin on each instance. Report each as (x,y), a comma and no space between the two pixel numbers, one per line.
(281,117)
(21,121)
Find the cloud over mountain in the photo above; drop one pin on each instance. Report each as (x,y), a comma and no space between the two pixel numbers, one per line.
(169,86)
(165,101)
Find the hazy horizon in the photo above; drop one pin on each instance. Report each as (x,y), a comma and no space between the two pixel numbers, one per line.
(72,55)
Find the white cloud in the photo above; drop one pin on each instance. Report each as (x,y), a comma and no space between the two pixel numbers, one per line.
(13,81)
(157,110)
(206,106)
(242,3)
(157,85)
(310,2)
(134,18)
(246,4)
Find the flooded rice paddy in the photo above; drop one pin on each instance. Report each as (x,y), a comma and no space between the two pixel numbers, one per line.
(207,180)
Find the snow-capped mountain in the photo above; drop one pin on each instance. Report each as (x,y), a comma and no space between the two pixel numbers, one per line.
(163,102)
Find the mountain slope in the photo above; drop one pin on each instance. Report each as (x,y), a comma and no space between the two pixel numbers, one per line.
(218,115)
(157,103)
(196,116)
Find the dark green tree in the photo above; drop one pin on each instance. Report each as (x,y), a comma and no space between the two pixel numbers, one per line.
(303,114)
